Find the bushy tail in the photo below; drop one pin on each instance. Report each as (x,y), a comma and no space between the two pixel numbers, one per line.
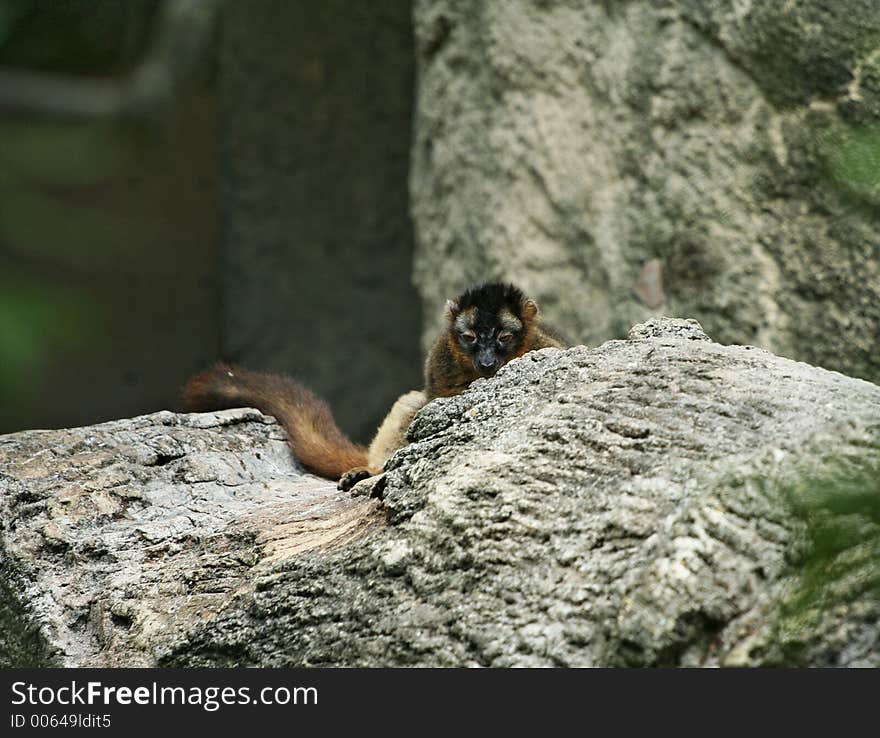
(311,431)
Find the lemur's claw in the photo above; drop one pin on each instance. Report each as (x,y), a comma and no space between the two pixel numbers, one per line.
(352,477)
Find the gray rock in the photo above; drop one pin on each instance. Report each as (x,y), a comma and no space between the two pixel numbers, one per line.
(119,538)
(639,503)
(566,146)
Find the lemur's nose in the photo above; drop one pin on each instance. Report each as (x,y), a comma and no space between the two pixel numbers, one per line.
(486,365)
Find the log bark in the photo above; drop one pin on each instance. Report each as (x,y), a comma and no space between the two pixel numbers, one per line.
(639,503)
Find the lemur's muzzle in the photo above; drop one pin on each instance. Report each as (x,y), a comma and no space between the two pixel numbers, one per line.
(486,363)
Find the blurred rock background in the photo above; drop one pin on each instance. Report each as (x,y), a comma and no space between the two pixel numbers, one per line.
(594,150)
(183,180)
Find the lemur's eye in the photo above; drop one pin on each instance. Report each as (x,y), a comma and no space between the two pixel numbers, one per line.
(468,337)
(505,336)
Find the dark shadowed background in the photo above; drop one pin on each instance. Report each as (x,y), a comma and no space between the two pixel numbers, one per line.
(258,214)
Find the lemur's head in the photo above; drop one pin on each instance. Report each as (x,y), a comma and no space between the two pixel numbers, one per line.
(489,324)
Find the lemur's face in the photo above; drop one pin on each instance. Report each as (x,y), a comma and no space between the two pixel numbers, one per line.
(488,340)
(490,337)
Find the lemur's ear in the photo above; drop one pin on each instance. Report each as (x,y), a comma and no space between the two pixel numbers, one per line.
(529,309)
(450,310)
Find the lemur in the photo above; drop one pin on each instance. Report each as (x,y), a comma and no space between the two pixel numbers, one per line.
(485,327)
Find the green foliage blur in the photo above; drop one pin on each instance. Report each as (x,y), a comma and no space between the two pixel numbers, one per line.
(837,567)
(842,516)
(36,321)
(47,309)
(852,160)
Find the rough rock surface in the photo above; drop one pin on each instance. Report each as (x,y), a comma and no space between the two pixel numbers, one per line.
(119,538)
(628,504)
(567,145)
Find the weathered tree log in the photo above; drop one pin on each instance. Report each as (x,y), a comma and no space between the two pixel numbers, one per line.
(635,503)
(119,538)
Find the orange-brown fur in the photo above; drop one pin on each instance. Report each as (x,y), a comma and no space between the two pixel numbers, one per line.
(448,370)
(312,434)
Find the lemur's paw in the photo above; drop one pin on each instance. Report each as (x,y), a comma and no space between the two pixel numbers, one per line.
(352,477)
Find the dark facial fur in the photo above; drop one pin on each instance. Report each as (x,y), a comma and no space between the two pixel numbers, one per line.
(490,324)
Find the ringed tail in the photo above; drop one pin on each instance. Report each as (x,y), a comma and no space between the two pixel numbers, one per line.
(312,434)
